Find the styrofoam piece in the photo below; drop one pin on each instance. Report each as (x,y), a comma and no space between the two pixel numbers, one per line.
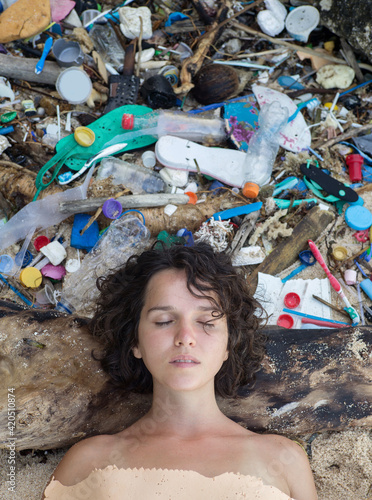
(277,8)
(130,24)
(271,291)
(170,209)
(301,21)
(249,256)
(178,178)
(269,23)
(295,136)
(55,252)
(225,165)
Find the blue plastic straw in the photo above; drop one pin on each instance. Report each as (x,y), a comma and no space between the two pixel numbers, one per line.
(310,316)
(20,295)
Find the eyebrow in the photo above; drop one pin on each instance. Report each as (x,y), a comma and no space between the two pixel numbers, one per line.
(170,308)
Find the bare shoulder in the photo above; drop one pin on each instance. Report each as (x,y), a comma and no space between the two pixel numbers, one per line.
(289,460)
(83,457)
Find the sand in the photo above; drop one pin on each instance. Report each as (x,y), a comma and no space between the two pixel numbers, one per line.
(341,463)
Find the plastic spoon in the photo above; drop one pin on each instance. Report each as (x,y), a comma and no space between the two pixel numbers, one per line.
(334,283)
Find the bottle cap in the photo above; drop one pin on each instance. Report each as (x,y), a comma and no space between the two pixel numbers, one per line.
(26,258)
(350,277)
(127,121)
(40,242)
(30,277)
(74,85)
(149,159)
(358,217)
(6,263)
(84,136)
(285,321)
(8,117)
(192,198)
(112,208)
(251,190)
(292,300)
(339,253)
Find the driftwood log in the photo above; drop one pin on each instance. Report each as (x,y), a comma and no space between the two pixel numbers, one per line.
(311,381)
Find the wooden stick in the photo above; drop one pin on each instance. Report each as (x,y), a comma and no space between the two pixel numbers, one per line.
(351,132)
(22,68)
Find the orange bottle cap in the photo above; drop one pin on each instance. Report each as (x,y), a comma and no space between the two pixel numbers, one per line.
(251,190)
(31,277)
(192,197)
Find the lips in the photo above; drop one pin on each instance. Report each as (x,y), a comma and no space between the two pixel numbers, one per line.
(185,359)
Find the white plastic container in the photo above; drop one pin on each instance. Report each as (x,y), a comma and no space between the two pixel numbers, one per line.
(74,85)
(301,21)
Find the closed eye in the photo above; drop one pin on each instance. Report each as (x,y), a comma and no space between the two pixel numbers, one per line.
(163,323)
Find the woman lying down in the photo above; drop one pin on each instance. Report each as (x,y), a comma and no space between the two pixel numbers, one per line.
(181,324)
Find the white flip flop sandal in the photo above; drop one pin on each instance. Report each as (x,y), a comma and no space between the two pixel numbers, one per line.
(225,165)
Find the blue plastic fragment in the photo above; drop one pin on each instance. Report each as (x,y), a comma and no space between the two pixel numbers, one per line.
(236,211)
(89,238)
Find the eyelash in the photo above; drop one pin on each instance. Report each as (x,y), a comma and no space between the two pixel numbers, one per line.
(163,323)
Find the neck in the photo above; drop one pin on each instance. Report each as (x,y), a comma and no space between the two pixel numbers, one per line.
(185,414)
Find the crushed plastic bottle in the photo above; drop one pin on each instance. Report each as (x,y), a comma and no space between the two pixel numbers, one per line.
(125,236)
(263,148)
(138,179)
(108,45)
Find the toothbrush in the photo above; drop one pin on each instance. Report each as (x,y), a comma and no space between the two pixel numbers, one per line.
(40,64)
(334,283)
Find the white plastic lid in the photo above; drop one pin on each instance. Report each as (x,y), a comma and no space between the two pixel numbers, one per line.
(74,85)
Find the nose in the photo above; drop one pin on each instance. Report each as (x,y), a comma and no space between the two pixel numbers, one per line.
(184,335)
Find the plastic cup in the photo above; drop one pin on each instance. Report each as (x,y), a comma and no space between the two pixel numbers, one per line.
(149,159)
(350,277)
(88,15)
(292,300)
(67,53)
(354,163)
(301,21)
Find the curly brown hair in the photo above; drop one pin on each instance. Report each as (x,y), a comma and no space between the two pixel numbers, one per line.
(122,296)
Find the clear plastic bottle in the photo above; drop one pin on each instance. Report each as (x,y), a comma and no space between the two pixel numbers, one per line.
(108,45)
(179,124)
(138,179)
(125,236)
(263,148)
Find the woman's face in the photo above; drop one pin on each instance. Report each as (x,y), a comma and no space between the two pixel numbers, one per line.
(180,341)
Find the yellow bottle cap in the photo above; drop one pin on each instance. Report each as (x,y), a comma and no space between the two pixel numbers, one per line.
(251,190)
(30,277)
(328,105)
(84,136)
(339,253)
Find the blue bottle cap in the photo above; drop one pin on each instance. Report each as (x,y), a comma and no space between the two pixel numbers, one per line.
(27,259)
(6,263)
(358,218)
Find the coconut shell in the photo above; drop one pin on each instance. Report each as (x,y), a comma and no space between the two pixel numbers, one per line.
(215,83)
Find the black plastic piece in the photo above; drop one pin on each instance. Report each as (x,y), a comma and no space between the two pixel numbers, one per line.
(158,92)
(328,183)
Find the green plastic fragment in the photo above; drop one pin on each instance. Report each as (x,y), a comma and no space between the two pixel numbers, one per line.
(8,117)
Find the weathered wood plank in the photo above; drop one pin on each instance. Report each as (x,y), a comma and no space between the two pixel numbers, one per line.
(311,381)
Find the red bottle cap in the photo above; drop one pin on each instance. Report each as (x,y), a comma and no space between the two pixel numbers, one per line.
(40,242)
(292,300)
(285,320)
(354,163)
(127,121)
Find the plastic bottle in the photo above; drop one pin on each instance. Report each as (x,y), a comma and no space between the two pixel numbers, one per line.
(107,45)
(263,148)
(138,179)
(124,237)
(179,124)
